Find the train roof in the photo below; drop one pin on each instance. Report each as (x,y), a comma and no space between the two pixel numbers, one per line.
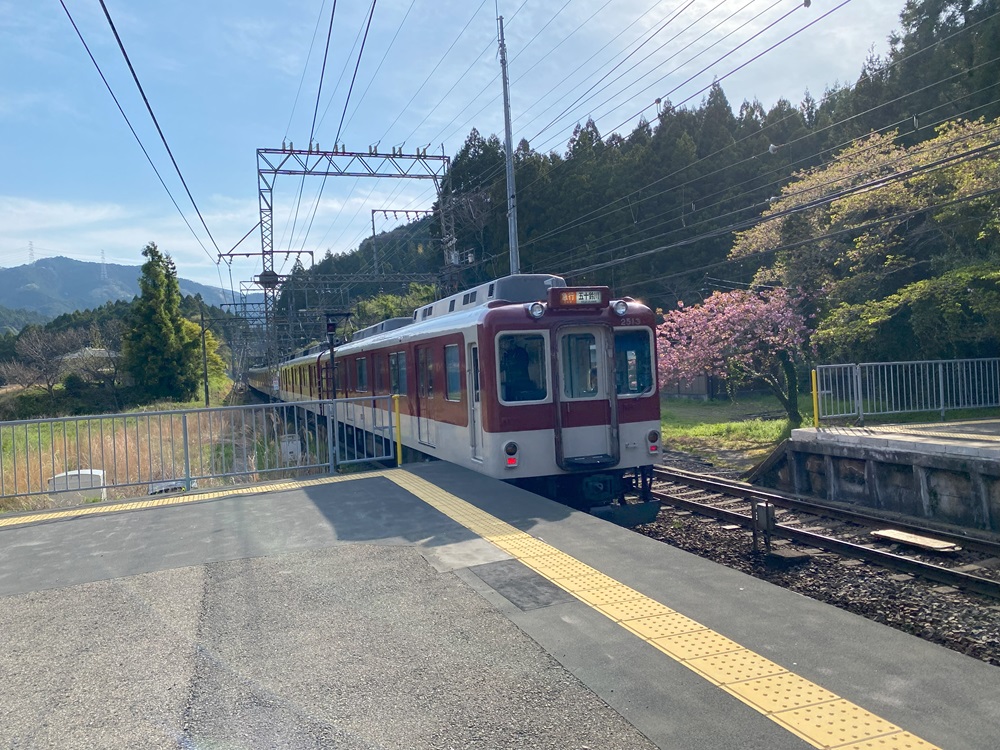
(528,287)
(525,287)
(386,325)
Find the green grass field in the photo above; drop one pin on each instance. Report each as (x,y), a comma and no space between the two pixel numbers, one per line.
(729,433)
(740,433)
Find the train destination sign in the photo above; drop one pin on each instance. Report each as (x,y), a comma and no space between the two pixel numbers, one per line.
(580,297)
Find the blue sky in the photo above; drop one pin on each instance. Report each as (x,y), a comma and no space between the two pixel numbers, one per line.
(223,78)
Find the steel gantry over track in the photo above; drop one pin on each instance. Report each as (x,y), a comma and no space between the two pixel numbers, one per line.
(339,162)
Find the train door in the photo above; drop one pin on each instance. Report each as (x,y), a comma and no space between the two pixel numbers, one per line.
(586,414)
(475,404)
(425,396)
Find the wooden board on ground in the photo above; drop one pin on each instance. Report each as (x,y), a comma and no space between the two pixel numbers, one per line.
(915,540)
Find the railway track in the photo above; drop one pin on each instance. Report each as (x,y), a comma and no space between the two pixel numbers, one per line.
(838,530)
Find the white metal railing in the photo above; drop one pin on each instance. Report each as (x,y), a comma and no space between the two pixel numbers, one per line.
(72,460)
(877,388)
(364,429)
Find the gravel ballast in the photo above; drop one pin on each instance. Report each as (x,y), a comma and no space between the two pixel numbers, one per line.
(966,623)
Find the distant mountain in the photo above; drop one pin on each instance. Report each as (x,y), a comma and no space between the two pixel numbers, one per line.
(53,286)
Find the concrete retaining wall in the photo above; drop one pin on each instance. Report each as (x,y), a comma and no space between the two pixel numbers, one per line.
(958,490)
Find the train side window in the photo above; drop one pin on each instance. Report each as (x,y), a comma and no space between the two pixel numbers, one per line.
(453,375)
(579,368)
(633,362)
(339,379)
(397,373)
(522,368)
(378,364)
(425,375)
(362,367)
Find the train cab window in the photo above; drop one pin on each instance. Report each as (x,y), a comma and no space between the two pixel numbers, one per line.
(633,362)
(453,375)
(397,373)
(579,365)
(522,368)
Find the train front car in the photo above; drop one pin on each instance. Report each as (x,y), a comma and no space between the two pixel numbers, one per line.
(573,409)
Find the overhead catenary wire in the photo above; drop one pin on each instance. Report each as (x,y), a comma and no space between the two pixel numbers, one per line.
(347,101)
(674,15)
(756,132)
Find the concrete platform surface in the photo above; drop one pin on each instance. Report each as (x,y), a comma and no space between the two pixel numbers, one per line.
(435,608)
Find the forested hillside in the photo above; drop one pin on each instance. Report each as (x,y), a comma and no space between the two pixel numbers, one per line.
(874,204)
(12,321)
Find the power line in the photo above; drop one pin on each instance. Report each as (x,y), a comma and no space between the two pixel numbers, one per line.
(590,216)
(828,235)
(163,138)
(780,180)
(132,130)
(821,201)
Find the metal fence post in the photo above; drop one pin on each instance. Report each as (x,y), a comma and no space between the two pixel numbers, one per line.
(858,401)
(399,431)
(815,386)
(331,436)
(187,452)
(940,369)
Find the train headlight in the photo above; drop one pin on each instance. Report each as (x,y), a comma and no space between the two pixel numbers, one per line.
(510,449)
(620,307)
(536,310)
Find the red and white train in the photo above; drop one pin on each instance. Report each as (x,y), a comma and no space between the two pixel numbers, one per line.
(524,379)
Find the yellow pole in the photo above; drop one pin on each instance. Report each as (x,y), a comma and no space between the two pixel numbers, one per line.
(815,400)
(399,431)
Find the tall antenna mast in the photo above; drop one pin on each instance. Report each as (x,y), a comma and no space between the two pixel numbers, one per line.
(515,261)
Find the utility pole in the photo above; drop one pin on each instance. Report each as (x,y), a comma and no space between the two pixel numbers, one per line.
(515,261)
(204,354)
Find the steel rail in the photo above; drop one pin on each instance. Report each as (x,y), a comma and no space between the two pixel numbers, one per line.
(749,492)
(936,573)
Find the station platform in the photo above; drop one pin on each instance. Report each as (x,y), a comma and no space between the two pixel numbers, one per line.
(432,607)
(941,473)
(970,439)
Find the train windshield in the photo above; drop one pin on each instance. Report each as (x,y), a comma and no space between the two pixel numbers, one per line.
(633,362)
(522,367)
(579,367)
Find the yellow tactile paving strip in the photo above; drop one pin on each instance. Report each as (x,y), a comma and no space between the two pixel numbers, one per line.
(814,714)
(176,499)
